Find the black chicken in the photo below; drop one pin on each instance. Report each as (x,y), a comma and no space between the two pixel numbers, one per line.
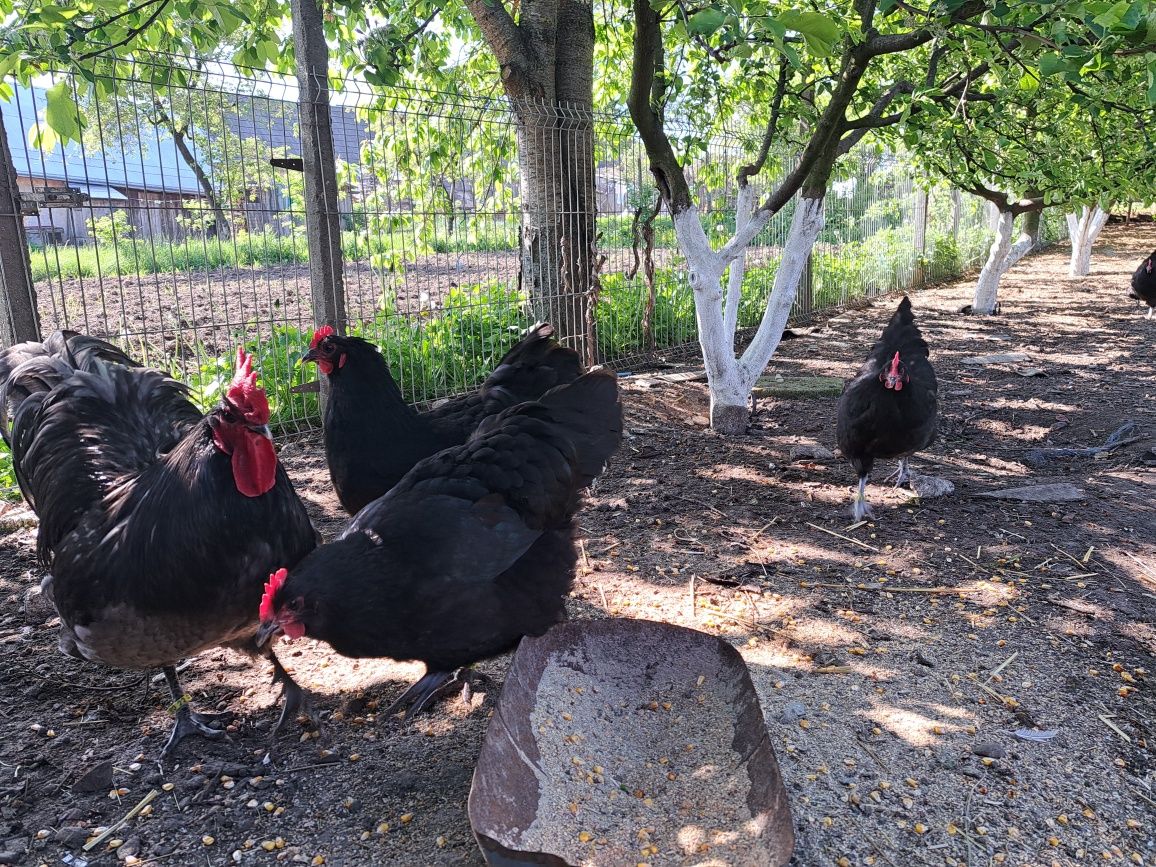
(159,525)
(1144,284)
(373,437)
(890,409)
(469,552)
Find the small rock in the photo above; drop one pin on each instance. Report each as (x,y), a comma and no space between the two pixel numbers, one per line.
(38,608)
(814,451)
(10,857)
(924,659)
(927,487)
(989,749)
(73,815)
(131,846)
(792,711)
(96,779)
(71,836)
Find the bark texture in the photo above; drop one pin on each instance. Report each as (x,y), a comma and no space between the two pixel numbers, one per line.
(546,59)
(1084,228)
(19,320)
(1002,256)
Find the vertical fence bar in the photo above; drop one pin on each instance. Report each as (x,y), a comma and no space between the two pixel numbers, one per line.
(322,221)
(919,275)
(20,320)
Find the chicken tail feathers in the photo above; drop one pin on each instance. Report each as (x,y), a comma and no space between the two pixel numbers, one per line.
(37,367)
(902,335)
(533,365)
(589,410)
(79,415)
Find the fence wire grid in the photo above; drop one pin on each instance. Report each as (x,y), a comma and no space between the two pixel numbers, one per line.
(176,229)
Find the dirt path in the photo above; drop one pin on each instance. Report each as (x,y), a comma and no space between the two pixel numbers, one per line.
(883,692)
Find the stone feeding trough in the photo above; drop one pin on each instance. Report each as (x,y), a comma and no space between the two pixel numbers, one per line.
(624,742)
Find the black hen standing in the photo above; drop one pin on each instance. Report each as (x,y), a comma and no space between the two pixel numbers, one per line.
(373,437)
(159,525)
(1144,284)
(469,552)
(890,409)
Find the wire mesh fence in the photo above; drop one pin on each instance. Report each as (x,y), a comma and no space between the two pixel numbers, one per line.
(176,228)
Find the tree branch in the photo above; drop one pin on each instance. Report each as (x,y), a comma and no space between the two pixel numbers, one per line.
(664,165)
(130,36)
(507,43)
(750,170)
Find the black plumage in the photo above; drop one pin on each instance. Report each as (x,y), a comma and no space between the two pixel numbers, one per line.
(890,409)
(470,551)
(158,524)
(373,437)
(1144,284)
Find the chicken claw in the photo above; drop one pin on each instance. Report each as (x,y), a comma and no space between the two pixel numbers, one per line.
(189,722)
(902,475)
(295,700)
(432,686)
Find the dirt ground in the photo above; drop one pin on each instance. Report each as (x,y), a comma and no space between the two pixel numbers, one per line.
(896,661)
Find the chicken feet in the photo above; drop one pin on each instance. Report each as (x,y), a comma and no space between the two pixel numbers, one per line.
(189,722)
(902,475)
(860,508)
(295,700)
(431,687)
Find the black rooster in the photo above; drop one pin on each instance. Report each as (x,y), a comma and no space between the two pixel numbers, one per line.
(469,552)
(1144,284)
(890,409)
(373,437)
(159,525)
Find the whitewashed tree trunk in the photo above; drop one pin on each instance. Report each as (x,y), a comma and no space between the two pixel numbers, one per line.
(1002,256)
(729,378)
(744,208)
(1083,230)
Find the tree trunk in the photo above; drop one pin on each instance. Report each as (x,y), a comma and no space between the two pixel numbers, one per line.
(1002,256)
(1083,230)
(222,228)
(19,319)
(547,70)
(555,156)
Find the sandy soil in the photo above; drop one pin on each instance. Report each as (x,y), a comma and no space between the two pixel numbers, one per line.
(896,661)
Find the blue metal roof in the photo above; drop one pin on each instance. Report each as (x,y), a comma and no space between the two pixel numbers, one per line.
(155,166)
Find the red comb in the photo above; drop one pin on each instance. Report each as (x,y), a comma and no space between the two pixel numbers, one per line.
(895,365)
(244,392)
(276,579)
(320,334)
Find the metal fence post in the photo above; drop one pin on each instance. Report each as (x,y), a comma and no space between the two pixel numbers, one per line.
(322,221)
(806,293)
(19,320)
(919,273)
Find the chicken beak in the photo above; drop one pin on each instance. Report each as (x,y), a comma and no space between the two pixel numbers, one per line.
(311,355)
(266,631)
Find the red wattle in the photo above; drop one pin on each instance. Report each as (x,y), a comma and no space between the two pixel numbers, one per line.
(254,464)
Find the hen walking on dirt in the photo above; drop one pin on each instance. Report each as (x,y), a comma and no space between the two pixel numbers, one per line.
(159,525)
(890,409)
(1144,284)
(469,552)
(373,437)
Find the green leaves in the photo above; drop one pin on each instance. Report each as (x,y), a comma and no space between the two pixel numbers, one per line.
(820,31)
(706,21)
(62,113)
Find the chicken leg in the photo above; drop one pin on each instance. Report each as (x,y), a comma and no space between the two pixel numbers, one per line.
(189,722)
(432,686)
(295,700)
(860,508)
